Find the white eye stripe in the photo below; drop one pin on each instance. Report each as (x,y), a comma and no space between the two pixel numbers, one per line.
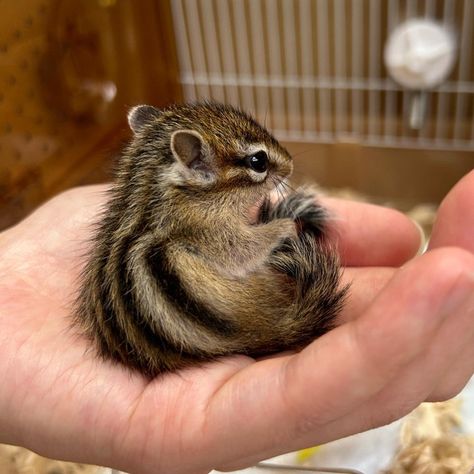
(257,177)
(254,148)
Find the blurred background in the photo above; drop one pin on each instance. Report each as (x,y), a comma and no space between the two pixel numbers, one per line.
(316,72)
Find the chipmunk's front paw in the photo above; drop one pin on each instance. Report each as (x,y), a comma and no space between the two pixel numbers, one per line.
(303,208)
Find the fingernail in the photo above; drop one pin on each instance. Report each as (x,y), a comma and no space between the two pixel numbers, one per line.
(423,240)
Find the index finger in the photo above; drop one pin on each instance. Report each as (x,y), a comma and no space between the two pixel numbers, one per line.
(370,235)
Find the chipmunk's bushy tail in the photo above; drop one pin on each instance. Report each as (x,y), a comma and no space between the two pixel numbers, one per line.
(313,265)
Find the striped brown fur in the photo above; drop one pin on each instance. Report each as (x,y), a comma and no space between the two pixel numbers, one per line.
(180,272)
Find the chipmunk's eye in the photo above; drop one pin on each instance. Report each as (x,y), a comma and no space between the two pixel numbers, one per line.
(258,162)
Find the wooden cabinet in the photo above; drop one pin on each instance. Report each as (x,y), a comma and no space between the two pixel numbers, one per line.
(68,72)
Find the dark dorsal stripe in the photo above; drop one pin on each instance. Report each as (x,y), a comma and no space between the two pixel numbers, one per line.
(115,333)
(132,307)
(185,303)
(115,341)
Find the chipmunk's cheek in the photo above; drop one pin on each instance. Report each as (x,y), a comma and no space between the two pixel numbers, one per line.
(253,213)
(254,209)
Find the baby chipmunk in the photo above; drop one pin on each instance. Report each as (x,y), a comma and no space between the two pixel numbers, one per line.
(181,270)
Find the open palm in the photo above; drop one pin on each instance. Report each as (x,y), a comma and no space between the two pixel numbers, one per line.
(406,336)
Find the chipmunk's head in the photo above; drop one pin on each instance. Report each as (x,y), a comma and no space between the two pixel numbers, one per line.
(210,146)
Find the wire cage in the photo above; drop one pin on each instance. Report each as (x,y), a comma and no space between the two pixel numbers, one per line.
(313,70)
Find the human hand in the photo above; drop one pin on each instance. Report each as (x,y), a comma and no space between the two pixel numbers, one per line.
(406,337)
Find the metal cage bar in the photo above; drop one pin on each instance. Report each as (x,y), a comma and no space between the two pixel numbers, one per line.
(312,69)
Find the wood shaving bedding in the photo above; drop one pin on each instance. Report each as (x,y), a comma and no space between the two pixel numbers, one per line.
(430,442)
(15,460)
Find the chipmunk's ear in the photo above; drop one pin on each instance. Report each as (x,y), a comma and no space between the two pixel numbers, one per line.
(141,115)
(190,149)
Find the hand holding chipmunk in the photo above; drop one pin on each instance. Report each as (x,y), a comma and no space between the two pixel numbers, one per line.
(407,337)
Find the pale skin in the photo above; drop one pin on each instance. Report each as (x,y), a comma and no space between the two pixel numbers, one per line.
(406,336)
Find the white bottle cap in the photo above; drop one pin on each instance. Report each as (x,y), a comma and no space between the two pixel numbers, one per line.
(420,54)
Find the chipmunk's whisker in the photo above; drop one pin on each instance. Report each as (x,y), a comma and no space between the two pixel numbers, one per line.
(301,152)
(278,188)
(285,185)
